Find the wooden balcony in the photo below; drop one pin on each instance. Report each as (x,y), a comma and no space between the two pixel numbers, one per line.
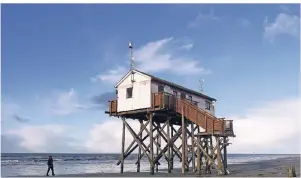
(165,101)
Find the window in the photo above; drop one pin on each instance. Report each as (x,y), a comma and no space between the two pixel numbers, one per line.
(129,92)
(183,95)
(190,98)
(160,88)
(208,105)
(175,93)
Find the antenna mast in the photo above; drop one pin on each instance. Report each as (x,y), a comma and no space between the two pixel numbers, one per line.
(131,55)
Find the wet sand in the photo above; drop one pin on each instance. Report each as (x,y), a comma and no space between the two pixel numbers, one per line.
(270,168)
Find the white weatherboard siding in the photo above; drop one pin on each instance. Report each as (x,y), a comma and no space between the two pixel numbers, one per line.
(169,89)
(202,103)
(154,87)
(141,93)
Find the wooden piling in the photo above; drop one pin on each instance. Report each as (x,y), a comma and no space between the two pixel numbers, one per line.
(192,147)
(122,147)
(171,154)
(152,166)
(207,169)
(139,149)
(183,141)
(198,157)
(186,147)
(225,153)
(169,148)
(219,156)
(157,147)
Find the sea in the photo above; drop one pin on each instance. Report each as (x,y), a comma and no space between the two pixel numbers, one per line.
(26,164)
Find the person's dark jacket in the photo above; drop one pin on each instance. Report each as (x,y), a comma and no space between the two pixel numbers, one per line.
(50,162)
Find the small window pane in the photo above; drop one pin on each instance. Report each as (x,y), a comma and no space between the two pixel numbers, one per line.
(183,95)
(129,92)
(208,105)
(160,88)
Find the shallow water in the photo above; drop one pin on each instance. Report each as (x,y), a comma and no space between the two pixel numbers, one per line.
(35,164)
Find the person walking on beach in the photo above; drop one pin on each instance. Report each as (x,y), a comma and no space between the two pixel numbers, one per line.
(50,165)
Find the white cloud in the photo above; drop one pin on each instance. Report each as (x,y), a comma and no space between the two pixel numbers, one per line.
(106,137)
(187,46)
(155,57)
(111,75)
(245,22)
(264,129)
(43,138)
(63,103)
(284,24)
(201,17)
(284,8)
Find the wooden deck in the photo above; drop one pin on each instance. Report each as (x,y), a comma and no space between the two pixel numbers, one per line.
(169,103)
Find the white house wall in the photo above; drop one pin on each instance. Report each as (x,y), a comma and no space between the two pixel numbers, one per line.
(201,101)
(141,93)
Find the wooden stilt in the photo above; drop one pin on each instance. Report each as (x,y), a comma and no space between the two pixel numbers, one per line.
(192,147)
(139,149)
(186,146)
(122,147)
(141,144)
(219,156)
(169,148)
(211,153)
(225,153)
(207,169)
(171,154)
(201,147)
(183,141)
(129,150)
(198,157)
(152,167)
(157,146)
(173,139)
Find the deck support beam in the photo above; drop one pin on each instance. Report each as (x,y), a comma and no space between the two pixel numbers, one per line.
(122,147)
(139,150)
(152,167)
(183,141)
(169,148)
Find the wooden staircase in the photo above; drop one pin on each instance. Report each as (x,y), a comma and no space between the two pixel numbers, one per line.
(202,118)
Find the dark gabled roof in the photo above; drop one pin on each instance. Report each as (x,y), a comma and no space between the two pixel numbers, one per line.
(178,86)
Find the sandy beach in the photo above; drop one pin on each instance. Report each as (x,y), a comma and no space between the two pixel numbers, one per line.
(270,168)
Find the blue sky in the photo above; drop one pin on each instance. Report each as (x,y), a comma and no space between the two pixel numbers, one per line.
(55,57)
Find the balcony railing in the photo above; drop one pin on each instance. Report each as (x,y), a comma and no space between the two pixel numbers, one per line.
(199,116)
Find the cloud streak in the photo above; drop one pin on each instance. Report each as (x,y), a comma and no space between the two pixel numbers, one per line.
(284,24)
(157,56)
(245,22)
(10,112)
(20,119)
(103,98)
(203,17)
